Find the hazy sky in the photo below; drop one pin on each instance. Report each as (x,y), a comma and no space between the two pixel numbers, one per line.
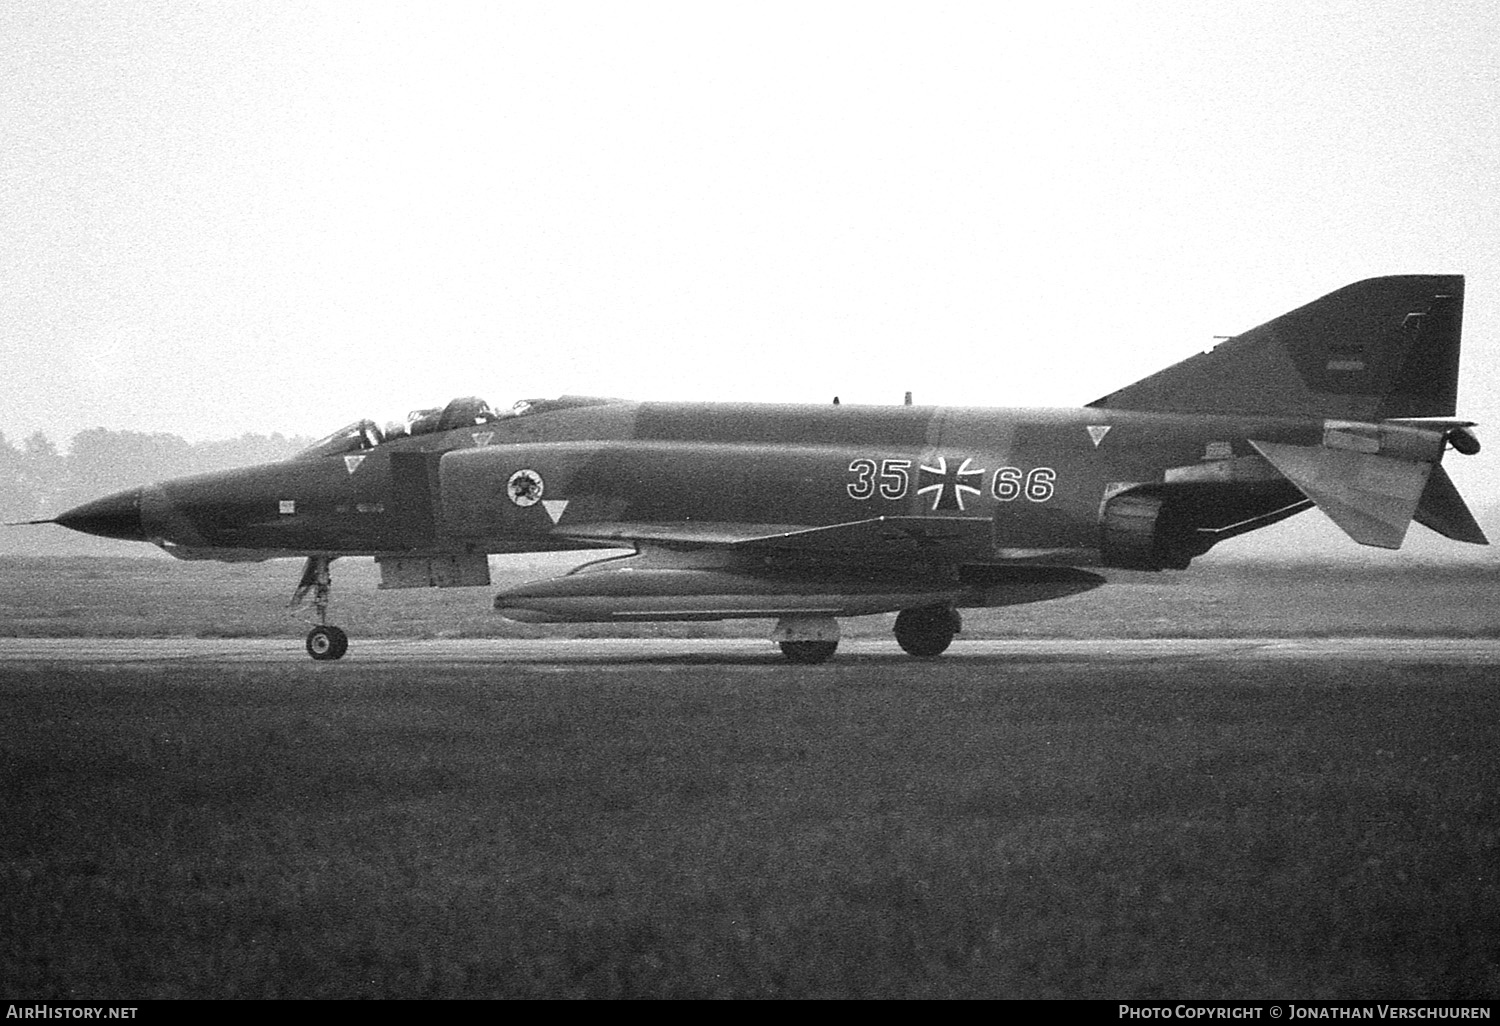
(230,217)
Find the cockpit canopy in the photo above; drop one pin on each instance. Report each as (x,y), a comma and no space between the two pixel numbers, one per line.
(467,411)
(366,434)
(362,434)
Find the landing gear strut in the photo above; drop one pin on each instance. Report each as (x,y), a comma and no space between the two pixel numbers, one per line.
(323,641)
(927,631)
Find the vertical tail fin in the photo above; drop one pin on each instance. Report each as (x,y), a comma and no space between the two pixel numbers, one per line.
(1383,347)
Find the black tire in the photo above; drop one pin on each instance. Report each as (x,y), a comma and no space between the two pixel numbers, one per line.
(325,643)
(926,632)
(808,652)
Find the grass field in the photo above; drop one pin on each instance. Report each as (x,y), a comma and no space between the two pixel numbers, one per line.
(1172,830)
(1166,829)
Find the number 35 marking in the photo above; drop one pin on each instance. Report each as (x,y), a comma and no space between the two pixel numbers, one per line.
(894,479)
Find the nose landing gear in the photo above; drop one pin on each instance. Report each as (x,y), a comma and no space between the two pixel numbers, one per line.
(323,641)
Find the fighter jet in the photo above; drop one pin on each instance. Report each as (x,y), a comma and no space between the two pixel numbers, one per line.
(805,514)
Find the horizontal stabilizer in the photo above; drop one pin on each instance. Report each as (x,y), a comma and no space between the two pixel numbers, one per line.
(1443,510)
(1372,498)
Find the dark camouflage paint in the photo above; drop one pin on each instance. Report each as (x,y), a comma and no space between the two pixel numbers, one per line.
(1149,476)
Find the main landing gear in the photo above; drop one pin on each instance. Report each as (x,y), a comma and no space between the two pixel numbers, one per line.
(924,632)
(323,641)
(807,639)
(927,631)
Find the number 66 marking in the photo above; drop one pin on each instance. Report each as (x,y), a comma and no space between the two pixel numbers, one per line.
(1008,484)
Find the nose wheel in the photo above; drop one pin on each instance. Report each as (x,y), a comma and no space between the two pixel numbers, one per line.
(324,642)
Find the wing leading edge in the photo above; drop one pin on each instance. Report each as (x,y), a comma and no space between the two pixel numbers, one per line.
(938,537)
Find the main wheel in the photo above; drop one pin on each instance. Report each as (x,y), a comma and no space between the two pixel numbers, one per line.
(808,651)
(928,631)
(327,643)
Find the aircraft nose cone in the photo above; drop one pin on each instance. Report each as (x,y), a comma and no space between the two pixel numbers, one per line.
(114,516)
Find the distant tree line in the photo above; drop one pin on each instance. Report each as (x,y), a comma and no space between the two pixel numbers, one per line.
(37,479)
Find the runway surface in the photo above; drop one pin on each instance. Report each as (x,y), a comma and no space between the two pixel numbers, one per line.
(677,651)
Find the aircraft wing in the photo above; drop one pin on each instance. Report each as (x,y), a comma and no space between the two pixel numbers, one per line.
(891,535)
(709,571)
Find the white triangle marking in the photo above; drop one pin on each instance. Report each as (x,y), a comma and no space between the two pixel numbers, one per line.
(555,508)
(1097,432)
(483,438)
(353,462)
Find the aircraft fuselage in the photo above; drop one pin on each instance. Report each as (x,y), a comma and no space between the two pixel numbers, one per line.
(1039,478)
